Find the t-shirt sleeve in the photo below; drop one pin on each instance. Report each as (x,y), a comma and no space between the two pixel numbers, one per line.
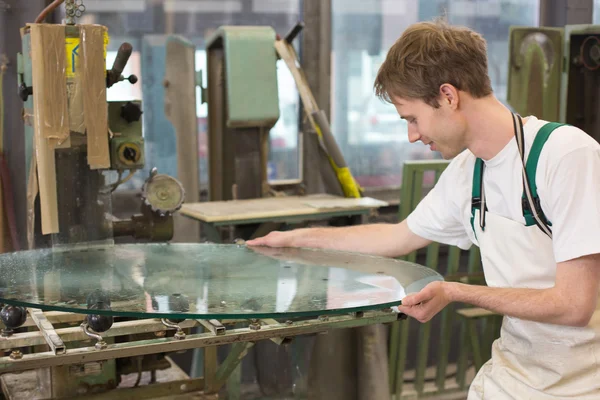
(573,202)
(438,216)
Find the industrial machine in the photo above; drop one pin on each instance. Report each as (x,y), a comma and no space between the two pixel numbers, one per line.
(243,104)
(79,147)
(554,74)
(74,138)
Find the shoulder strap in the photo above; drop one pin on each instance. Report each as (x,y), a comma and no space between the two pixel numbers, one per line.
(531,169)
(476,190)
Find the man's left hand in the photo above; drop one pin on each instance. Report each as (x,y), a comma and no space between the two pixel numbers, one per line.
(425,304)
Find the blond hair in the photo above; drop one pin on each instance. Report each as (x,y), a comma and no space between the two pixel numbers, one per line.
(429,54)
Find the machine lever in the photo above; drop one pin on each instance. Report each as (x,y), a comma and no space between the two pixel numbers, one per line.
(123,55)
(25,91)
(291,35)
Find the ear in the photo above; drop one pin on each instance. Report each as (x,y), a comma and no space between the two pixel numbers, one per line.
(449,96)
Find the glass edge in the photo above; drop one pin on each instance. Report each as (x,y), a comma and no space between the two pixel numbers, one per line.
(85,311)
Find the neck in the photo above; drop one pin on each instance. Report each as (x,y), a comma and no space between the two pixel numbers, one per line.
(490,127)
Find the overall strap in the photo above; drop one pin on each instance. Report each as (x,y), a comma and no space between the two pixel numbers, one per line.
(476,191)
(532,210)
(538,217)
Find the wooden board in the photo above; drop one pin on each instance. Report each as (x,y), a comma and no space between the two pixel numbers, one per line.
(180,109)
(271,207)
(50,113)
(49,81)
(32,193)
(93,83)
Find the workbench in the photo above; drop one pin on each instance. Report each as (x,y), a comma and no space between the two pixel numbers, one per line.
(271,212)
(85,307)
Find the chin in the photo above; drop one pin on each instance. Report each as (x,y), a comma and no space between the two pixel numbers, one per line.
(449,154)
(443,153)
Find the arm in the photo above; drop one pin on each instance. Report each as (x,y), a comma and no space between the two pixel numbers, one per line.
(571,301)
(389,240)
(436,218)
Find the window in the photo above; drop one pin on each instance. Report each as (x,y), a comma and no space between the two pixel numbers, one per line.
(370,132)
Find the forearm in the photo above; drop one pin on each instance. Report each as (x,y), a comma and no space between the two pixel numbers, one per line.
(540,305)
(389,240)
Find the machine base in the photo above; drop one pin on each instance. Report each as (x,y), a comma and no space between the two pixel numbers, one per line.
(171,384)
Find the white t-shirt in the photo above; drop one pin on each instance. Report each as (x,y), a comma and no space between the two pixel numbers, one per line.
(568,184)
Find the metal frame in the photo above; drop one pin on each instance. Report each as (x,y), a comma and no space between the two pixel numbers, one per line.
(52,339)
(242,338)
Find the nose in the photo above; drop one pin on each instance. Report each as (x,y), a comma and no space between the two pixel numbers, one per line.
(413,134)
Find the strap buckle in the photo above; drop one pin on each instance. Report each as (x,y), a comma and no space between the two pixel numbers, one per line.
(476,203)
(538,209)
(536,203)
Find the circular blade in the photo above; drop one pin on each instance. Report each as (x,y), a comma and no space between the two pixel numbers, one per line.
(163,193)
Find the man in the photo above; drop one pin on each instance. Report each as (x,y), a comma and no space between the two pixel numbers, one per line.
(538,228)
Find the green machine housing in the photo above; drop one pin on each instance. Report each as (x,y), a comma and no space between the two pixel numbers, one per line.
(127,142)
(243,105)
(554,74)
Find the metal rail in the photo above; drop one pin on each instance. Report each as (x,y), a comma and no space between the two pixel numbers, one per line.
(75,334)
(52,339)
(162,345)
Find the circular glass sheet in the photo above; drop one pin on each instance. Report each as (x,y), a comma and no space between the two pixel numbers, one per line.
(202,281)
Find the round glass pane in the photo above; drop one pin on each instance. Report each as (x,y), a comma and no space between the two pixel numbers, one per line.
(202,281)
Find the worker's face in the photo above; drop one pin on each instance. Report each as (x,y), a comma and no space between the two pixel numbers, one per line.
(443,129)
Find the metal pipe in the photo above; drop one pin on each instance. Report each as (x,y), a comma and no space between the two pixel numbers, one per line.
(53,6)
(100,344)
(180,334)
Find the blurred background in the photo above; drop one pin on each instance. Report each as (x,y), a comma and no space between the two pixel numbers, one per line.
(371,135)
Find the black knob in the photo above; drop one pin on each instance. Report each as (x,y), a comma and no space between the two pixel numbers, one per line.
(132,79)
(178,303)
(131,112)
(25,91)
(130,154)
(99,323)
(13,316)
